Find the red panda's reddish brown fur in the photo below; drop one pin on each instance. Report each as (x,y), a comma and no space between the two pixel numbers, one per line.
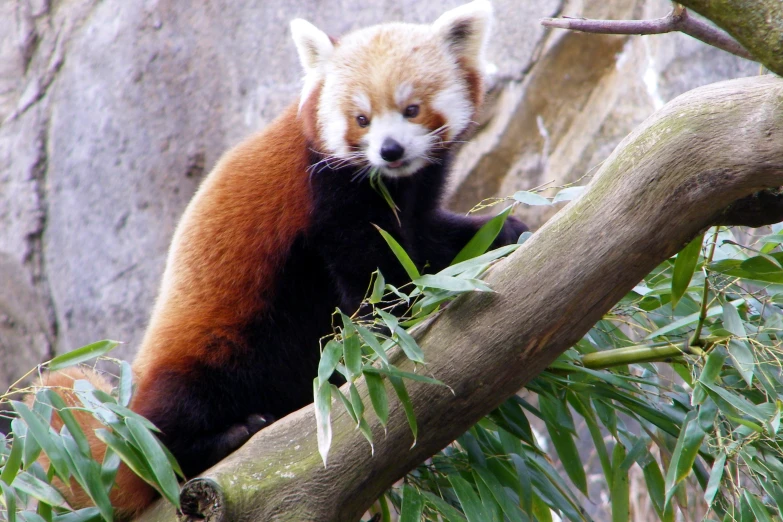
(282,232)
(276,201)
(261,189)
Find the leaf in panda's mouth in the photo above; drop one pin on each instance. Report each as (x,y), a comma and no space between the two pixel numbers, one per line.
(376,182)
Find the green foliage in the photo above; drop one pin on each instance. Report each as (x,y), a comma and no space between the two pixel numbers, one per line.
(679,386)
(30,491)
(358,349)
(712,315)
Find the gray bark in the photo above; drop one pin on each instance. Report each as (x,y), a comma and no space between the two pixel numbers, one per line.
(669,179)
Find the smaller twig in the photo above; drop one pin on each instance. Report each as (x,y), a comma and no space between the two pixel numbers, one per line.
(677,21)
(644,353)
(696,339)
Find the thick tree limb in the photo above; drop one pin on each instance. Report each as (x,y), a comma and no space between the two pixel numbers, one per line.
(756,24)
(671,178)
(676,21)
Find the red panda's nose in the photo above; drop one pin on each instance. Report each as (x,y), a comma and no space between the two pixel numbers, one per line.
(391,150)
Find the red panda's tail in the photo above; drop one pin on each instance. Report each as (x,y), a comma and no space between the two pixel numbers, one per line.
(130,494)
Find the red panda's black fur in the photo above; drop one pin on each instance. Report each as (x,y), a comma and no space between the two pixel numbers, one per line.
(275,239)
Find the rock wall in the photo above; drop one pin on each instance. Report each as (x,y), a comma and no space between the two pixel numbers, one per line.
(113,111)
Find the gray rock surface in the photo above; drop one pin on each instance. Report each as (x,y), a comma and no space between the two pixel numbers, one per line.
(111,113)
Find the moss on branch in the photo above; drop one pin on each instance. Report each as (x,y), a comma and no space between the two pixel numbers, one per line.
(756,24)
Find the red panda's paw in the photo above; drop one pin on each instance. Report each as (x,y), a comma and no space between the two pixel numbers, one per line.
(256,422)
(238,434)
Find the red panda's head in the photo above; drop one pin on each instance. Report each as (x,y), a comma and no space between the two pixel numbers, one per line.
(393,96)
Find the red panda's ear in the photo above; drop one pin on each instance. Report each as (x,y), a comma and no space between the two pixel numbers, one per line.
(314,48)
(464,30)
(312,44)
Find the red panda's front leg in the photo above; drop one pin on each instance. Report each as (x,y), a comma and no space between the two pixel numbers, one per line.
(443,234)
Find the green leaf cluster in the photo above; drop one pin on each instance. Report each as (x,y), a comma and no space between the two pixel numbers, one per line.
(32,491)
(359,347)
(680,385)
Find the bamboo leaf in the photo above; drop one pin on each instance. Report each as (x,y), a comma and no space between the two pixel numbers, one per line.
(372,341)
(401,255)
(685,452)
(87,474)
(744,362)
(716,475)
(365,430)
(477,263)
(346,403)
(494,486)
(10,501)
(125,386)
(329,359)
(74,428)
(356,402)
(684,266)
(378,288)
(38,489)
(91,514)
(471,504)
(12,464)
(449,513)
(568,194)
(408,344)
(759,511)
(491,508)
(323,409)
(595,434)
(685,321)
(109,468)
(392,371)
(128,455)
(149,446)
(775,492)
(656,487)
(83,354)
(732,321)
(452,284)
(378,397)
(412,505)
(531,198)
(738,402)
(405,400)
(483,238)
(31,447)
(48,441)
(563,442)
(352,354)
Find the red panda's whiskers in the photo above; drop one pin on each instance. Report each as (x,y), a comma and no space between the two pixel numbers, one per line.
(362,174)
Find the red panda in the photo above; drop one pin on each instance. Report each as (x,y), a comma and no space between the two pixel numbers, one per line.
(281,231)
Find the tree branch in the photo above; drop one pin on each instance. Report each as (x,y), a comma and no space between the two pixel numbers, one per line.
(671,178)
(756,24)
(677,21)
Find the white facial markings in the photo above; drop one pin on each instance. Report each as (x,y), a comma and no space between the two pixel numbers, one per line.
(411,136)
(362,102)
(402,94)
(332,120)
(454,104)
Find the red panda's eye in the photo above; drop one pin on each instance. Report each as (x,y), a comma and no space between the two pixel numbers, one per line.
(362,120)
(411,111)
